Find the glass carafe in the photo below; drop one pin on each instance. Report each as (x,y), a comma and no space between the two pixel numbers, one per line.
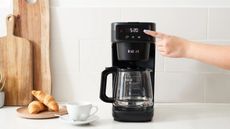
(132,88)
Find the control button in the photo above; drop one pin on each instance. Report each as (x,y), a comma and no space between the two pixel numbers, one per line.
(133,37)
(127,36)
(138,37)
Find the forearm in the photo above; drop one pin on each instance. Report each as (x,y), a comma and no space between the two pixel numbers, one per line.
(212,54)
(176,47)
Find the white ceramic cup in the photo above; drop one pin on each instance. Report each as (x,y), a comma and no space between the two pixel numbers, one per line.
(80,111)
(2,98)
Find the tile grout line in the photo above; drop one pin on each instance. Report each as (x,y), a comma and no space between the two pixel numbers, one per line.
(208,22)
(190,72)
(145,3)
(204,88)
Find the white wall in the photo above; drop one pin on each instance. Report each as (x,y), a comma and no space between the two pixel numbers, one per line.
(80,45)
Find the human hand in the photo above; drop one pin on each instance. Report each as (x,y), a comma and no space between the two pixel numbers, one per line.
(170,46)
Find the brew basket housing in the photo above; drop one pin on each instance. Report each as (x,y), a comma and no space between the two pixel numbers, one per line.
(133,51)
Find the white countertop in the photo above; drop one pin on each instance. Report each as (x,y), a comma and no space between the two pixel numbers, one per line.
(166,116)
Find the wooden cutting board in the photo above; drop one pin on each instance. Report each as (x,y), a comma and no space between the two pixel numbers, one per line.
(33,23)
(16,65)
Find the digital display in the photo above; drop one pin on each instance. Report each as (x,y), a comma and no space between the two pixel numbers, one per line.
(133,32)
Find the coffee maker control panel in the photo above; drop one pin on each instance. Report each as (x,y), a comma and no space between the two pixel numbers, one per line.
(131,31)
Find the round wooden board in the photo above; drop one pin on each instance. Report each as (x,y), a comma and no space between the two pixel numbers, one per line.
(23,112)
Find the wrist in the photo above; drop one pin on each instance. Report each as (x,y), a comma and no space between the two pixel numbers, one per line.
(188,46)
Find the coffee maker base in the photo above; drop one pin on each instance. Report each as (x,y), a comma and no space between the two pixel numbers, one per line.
(133,115)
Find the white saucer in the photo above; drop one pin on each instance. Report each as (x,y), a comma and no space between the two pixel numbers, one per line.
(65,118)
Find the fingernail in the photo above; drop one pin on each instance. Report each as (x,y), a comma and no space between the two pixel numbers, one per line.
(145,31)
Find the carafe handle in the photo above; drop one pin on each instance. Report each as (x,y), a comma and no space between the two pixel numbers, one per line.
(104,75)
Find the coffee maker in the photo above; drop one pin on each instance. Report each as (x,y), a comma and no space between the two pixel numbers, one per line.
(133,68)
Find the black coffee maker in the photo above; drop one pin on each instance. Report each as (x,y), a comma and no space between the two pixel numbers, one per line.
(133,68)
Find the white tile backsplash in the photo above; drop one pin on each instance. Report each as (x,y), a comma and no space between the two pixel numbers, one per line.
(140,3)
(159,62)
(219,27)
(95,55)
(186,22)
(79,86)
(89,87)
(217,87)
(193,66)
(65,86)
(65,56)
(6,4)
(83,23)
(81,49)
(188,65)
(4,12)
(179,87)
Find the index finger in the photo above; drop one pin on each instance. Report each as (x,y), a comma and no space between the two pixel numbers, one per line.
(154,33)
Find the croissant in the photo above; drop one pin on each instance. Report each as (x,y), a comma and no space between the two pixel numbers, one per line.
(46,99)
(36,107)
